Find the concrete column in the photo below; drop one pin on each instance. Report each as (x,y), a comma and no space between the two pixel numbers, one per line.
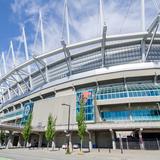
(10,140)
(141,139)
(20,141)
(90,140)
(113,139)
(40,140)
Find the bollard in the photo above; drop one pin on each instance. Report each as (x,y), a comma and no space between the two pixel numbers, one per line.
(98,149)
(109,150)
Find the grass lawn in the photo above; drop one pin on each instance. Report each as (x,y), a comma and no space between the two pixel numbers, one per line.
(1,158)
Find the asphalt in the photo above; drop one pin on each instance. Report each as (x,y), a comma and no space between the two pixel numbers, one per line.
(44,154)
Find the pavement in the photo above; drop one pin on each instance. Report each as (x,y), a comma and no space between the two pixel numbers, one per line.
(44,154)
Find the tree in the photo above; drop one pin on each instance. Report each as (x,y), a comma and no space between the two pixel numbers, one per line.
(27,129)
(2,137)
(50,131)
(81,122)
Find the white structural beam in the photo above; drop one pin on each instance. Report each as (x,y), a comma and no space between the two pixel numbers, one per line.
(44,66)
(4,63)
(40,61)
(13,54)
(18,85)
(102,22)
(25,44)
(143,50)
(67,21)
(42,31)
(25,83)
(67,57)
(23,72)
(150,45)
(10,88)
(78,45)
(143,15)
(43,45)
(27,55)
(154,24)
(3,88)
(103,44)
(152,30)
(41,72)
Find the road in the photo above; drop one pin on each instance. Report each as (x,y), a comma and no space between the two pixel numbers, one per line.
(44,154)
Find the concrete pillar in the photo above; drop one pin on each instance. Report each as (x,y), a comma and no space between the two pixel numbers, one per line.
(40,140)
(10,140)
(113,139)
(20,141)
(141,139)
(90,140)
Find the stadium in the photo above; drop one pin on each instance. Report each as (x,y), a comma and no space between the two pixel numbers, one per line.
(118,75)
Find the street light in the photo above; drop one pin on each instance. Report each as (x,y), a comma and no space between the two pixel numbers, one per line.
(68,130)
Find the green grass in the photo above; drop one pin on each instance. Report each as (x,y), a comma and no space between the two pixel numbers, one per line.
(1,158)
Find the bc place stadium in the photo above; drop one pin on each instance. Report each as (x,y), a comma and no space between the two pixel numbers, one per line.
(119,75)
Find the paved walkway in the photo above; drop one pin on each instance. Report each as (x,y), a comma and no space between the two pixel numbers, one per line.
(44,154)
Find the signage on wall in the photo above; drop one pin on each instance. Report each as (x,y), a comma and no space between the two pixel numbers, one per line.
(85,95)
(28,107)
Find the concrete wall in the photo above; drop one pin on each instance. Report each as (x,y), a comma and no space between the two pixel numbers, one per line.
(43,108)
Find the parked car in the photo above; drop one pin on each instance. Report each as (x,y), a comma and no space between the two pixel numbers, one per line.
(2,146)
(64,146)
(76,146)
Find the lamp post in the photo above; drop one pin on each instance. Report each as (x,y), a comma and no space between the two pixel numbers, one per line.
(68,130)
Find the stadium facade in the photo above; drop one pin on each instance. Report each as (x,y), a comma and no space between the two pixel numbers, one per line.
(118,75)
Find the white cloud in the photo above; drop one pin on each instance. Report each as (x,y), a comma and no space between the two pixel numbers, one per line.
(84,18)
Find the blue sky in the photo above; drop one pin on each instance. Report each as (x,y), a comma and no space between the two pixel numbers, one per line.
(121,16)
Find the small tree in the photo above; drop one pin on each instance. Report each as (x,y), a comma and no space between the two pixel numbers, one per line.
(2,137)
(81,122)
(50,132)
(27,129)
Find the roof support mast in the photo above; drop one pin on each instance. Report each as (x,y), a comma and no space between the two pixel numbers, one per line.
(143,29)
(101,16)
(143,15)
(64,45)
(103,29)
(5,72)
(42,31)
(4,63)
(13,54)
(26,54)
(43,44)
(67,22)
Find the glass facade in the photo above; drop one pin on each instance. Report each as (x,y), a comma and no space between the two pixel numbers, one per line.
(13,114)
(89,103)
(115,91)
(130,90)
(132,115)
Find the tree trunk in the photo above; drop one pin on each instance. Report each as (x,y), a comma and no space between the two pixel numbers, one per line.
(25,144)
(47,145)
(81,145)
(53,145)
